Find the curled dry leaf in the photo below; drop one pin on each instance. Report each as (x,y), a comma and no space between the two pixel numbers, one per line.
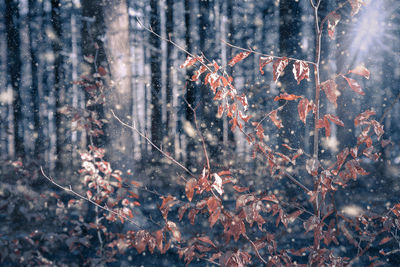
(245,118)
(331,91)
(333,20)
(273,115)
(190,187)
(363,117)
(334,119)
(303,108)
(264,61)
(198,72)
(355,6)
(286,96)
(174,230)
(378,129)
(240,189)
(217,185)
(278,67)
(190,61)
(361,70)
(238,57)
(354,85)
(301,71)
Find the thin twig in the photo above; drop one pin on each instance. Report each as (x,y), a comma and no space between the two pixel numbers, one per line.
(203,143)
(152,144)
(389,108)
(171,42)
(72,192)
(266,55)
(255,248)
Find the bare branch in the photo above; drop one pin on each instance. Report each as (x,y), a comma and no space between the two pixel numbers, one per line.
(255,248)
(262,54)
(152,144)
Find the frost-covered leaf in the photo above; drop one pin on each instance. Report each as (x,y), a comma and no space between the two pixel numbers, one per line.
(312,166)
(264,61)
(303,108)
(331,91)
(355,6)
(238,57)
(217,185)
(334,119)
(363,116)
(301,71)
(333,20)
(278,67)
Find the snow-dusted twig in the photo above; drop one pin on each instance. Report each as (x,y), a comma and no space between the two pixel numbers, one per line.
(152,144)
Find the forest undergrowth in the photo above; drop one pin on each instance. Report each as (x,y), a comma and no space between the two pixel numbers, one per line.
(284,207)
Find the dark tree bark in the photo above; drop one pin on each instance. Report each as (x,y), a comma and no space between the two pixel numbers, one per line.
(59,85)
(14,72)
(155,64)
(169,78)
(33,40)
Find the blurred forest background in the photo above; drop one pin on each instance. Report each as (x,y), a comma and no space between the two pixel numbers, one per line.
(46,46)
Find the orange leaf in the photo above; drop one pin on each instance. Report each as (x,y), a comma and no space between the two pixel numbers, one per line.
(189,189)
(190,61)
(286,96)
(238,58)
(334,119)
(385,240)
(206,239)
(198,72)
(214,217)
(240,189)
(245,118)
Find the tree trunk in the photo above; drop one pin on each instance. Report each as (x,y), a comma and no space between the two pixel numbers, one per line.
(14,72)
(155,65)
(120,142)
